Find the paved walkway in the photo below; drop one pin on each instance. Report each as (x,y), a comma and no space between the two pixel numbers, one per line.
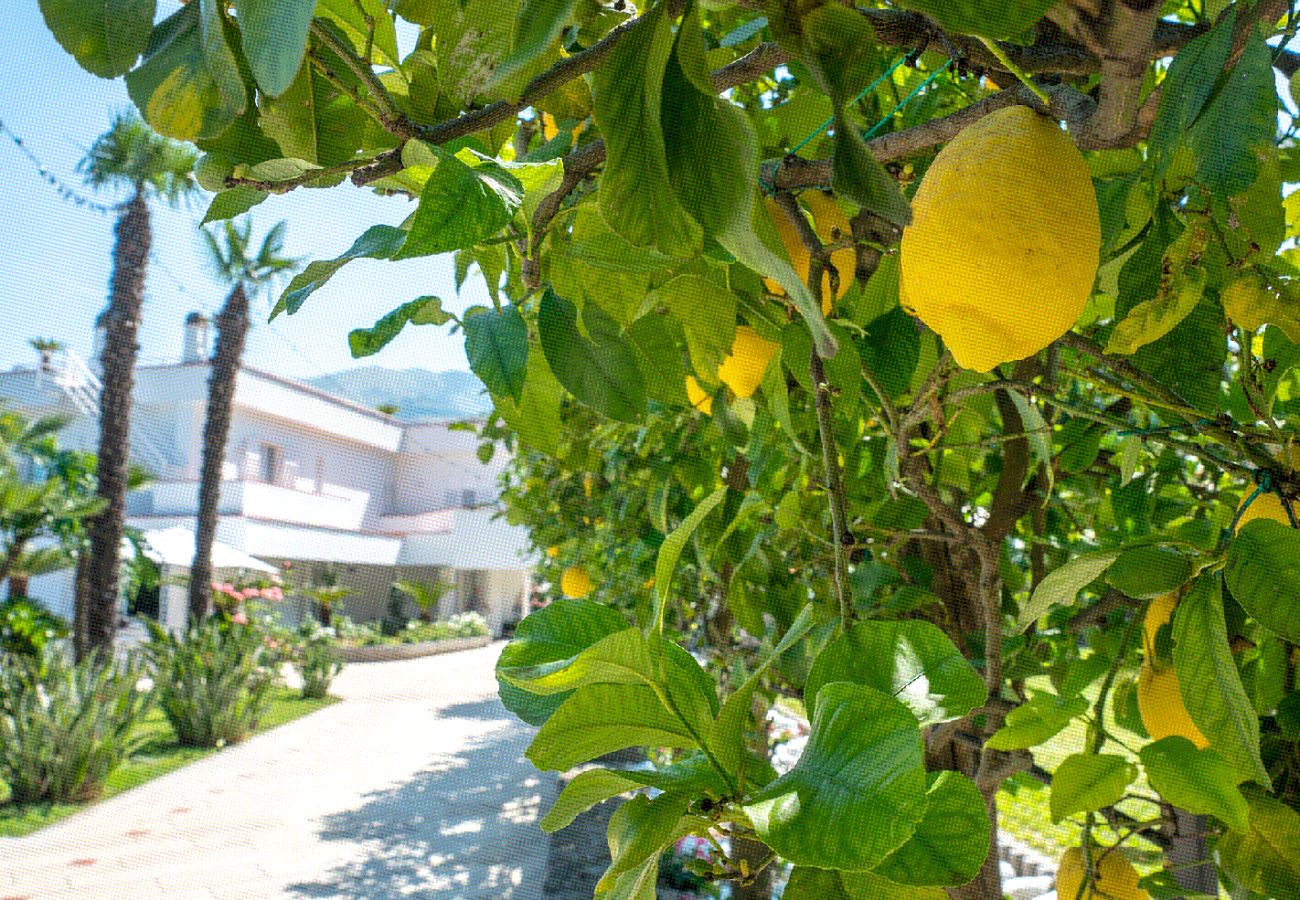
(414,786)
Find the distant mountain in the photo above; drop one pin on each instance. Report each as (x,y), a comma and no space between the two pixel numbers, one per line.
(417,393)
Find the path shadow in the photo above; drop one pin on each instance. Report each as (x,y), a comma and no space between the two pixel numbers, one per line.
(465,826)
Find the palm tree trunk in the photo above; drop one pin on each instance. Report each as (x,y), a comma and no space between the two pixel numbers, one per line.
(130,256)
(232,326)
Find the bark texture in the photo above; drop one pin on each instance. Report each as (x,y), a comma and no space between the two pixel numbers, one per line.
(232,327)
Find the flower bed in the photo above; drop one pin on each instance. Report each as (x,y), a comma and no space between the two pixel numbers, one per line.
(367,643)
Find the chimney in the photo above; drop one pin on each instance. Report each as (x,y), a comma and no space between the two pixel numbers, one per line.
(195,347)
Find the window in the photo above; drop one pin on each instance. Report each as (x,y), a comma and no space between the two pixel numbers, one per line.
(468,496)
(272,463)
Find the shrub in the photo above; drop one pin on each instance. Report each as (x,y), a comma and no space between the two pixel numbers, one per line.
(318,659)
(65,727)
(214,683)
(26,627)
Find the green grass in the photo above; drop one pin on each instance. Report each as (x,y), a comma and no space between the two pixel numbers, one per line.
(1026,813)
(158,755)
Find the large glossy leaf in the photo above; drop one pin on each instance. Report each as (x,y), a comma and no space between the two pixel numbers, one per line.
(639,831)
(536,417)
(586,789)
(727,737)
(636,194)
(104,36)
(1086,782)
(660,347)
(857,176)
(175,89)
(461,205)
(1263,574)
(601,369)
(912,661)
(496,345)
(670,552)
(378,242)
(560,630)
(1266,857)
(858,790)
(420,311)
(231,203)
(1149,571)
(312,120)
(1198,781)
(275,39)
(1210,683)
(1237,122)
(951,841)
(601,718)
(1062,585)
(537,25)
(807,883)
(990,18)
(1179,291)
(707,311)
(353,18)
(1036,721)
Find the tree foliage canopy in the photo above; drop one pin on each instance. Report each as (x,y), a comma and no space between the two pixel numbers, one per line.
(944,567)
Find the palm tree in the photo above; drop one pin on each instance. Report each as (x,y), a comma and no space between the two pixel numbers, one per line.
(129,155)
(228,249)
(424,595)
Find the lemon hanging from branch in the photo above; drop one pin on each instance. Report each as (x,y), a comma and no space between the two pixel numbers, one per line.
(1003,248)
(831,226)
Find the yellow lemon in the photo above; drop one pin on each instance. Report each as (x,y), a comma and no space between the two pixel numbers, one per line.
(743,368)
(550,128)
(1003,248)
(1116,879)
(575,582)
(552,552)
(828,218)
(1159,611)
(1160,704)
(699,397)
(1266,506)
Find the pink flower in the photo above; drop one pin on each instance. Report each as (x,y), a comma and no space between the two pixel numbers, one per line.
(273,594)
(239,618)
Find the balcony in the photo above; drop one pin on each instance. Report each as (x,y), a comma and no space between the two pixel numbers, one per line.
(332,507)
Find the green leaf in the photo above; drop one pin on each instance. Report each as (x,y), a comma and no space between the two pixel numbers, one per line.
(1198,781)
(312,120)
(352,17)
(990,18)
(536,417)
(378,242)
(601,370)
(670,552)
(840,49)
(891,350)
(707,311)
(420,311)
(1062,585)
(496,345)
(1238,122)
(856,175)
(1036,721)
(1263,574)
(639,831)
(1150,571)
(601,718)
(174,88)
(275,39)
(636,195)
(857,792)
(1194,376)
(1250,303)
(951,841)
(807,883)
(537,24)
(1266,857)
(584,791)
(1181,287)
(1209,681)
(560,630)
(231,203)
(1188,86)
(660,348)
(1086,782)
(461,206)
(727,738)
(104,36)
(911,661)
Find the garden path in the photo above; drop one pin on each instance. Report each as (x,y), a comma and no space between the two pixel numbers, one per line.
(414,786)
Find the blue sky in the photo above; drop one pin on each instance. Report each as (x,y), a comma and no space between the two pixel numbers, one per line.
(55,257)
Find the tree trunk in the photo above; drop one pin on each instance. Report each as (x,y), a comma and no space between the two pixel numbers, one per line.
(81,596)
(232,327)
(18,584)
(130,257)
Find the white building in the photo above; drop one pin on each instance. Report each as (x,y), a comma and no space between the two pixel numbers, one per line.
(329,487)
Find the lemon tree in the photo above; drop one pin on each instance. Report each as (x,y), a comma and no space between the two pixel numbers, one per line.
(927,369)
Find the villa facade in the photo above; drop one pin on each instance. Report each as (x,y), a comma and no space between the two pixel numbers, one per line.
(314,485)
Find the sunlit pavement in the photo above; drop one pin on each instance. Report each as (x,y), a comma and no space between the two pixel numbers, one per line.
(414,786)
